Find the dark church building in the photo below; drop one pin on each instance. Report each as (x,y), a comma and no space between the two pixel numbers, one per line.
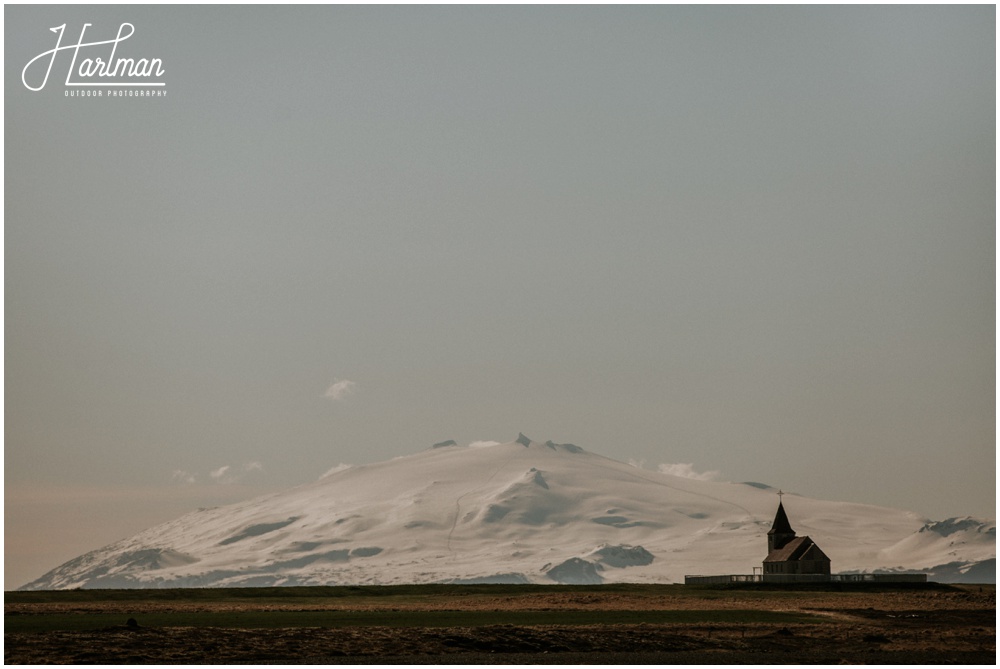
(789,554)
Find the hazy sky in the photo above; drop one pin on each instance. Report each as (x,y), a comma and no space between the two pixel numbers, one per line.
(758,240)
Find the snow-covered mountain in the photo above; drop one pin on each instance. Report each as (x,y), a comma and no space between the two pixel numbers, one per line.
(517,512)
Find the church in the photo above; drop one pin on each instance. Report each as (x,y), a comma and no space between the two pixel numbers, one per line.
(789,554)
(792,559)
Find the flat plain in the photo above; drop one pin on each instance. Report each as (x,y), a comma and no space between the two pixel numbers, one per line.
(506,624)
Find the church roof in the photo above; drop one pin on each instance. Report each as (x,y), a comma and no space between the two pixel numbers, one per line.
(799,548)
(781,524)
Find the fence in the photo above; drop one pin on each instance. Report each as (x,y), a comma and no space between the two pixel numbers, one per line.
(805,578)
(880,578)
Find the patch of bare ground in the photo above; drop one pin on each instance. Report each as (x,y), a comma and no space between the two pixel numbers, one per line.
(752,643)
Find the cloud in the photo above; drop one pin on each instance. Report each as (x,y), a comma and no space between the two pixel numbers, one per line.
(483,444)
(638,464)
(333,470)
(339,390)
(228,475)
(686,470)
(220,473)
(181,476)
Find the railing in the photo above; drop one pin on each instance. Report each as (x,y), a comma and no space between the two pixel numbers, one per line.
(798,578)
(880,578)
(805,578)
(726,578)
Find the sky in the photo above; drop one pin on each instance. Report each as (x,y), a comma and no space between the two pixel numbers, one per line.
(752,241)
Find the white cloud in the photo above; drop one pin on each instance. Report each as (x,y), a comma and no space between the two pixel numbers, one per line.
(333,470)
(220,474)
(339,390)
(686,470)
(483,444)
(181,476)
(638,464)
(226,474)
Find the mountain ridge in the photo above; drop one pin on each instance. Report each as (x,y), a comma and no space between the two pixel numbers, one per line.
(521,511)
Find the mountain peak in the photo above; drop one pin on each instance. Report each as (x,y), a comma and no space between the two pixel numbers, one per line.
(528,442)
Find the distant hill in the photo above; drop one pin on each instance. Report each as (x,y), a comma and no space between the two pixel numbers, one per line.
(519,512)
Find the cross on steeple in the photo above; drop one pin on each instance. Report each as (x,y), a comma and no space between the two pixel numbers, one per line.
(779,495)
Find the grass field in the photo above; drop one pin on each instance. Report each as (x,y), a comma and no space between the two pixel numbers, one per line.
(283,619)
(403,595)
(369,592)
(521,623)
(390,606)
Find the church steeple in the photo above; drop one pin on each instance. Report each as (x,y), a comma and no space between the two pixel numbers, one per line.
(781,531)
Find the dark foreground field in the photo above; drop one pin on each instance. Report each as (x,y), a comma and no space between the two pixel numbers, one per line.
(503,624)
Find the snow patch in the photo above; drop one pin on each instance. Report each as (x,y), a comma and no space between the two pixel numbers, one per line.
(335,470)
